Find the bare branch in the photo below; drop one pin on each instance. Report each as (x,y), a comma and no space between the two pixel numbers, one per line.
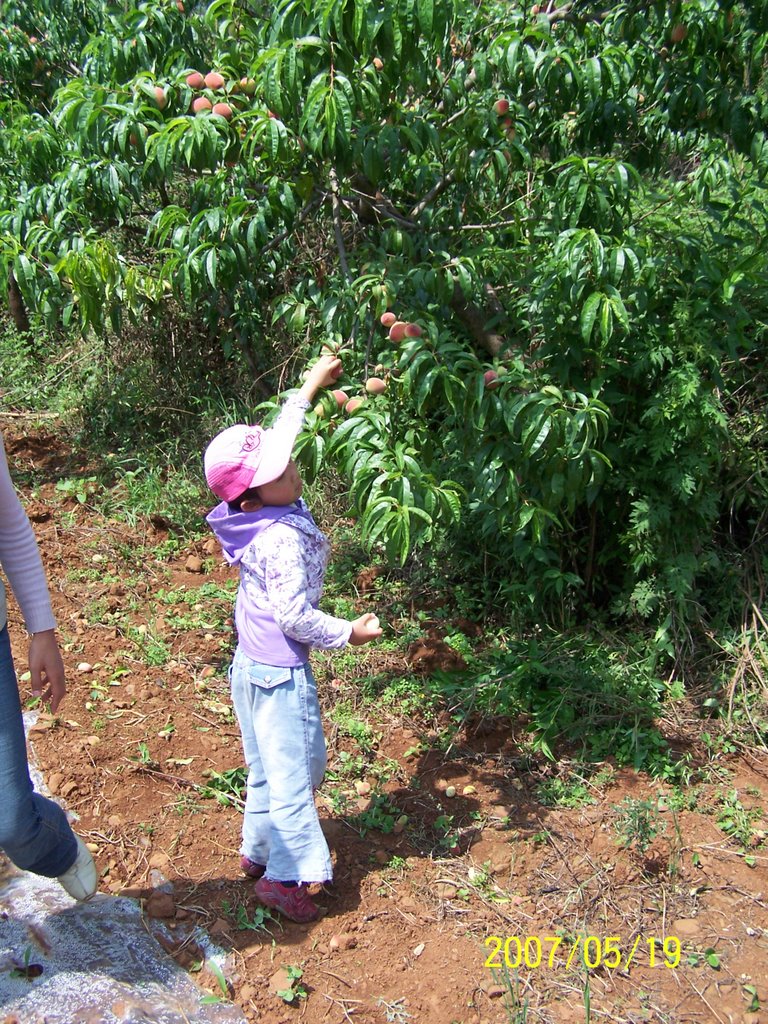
(433,193)
(335,203)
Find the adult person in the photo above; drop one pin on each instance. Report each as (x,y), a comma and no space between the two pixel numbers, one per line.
(34,831)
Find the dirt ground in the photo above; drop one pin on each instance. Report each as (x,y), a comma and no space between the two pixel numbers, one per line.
(446,858)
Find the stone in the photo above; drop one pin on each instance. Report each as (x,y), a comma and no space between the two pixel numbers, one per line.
(160,904)
(54,783)
(688,928)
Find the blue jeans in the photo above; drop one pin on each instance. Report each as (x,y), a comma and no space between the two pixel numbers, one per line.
(34,831)
(284,747)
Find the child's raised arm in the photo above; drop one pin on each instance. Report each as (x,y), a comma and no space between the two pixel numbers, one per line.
(321,374)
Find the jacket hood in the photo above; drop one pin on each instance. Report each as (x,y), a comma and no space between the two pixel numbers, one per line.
(237,530)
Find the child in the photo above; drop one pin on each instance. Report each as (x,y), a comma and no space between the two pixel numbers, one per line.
(34,831)
(266,529)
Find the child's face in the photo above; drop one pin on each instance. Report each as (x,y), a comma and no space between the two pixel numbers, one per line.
(283,491)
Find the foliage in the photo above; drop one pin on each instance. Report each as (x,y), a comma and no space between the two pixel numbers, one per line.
(594,698)
(598,244)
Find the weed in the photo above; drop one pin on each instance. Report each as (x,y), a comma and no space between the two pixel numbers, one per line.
(709,956)
(144,758)
(737,821)
(26,970)
(397,864)
(380,816)
(394,1010)
(295,989)
(225,787)
(152,650)
(447,835)
(80,488)
(221,981)
(515,1006)
(347,766)
(482,882)
(167,730)
(256,923)
(185,803)
(638,824)
(350,725)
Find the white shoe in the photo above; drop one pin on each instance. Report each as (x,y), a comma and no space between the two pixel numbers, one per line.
(82,878)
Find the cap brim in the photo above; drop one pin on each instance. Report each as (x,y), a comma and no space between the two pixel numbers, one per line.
(276,448)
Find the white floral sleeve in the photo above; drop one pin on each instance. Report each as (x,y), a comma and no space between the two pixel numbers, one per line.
(294,568)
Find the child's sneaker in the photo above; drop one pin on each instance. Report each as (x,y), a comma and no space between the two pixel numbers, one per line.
(251,867)
(82,878)
(293,901)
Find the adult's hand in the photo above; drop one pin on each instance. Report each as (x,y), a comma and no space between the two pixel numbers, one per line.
(46,668)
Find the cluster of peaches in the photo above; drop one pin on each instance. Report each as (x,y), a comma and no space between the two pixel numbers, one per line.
(214,82)
(398,330)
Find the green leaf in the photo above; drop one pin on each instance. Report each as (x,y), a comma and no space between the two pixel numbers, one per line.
(589,312)
(210,266)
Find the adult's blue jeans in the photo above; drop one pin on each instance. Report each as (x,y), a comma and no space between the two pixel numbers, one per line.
(279,716)
(34,831)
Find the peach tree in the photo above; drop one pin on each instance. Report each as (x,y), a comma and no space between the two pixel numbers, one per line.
(567,201)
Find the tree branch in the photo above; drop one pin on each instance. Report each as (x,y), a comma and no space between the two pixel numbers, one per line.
(336,205)
(433,193)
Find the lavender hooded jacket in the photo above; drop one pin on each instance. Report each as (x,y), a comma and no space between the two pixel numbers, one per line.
(282,555)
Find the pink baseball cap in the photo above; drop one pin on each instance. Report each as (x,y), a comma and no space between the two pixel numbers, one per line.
(241,457)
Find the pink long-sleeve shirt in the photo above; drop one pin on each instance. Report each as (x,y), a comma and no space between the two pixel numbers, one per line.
(20,558)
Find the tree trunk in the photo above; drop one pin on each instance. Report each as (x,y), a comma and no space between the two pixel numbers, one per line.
(16,305)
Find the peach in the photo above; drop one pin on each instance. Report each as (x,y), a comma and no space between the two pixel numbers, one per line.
(160,97)
(195,80)
(491,378)
(341,397)
(200,104)
(678,33)
(501,107)
(214,80)
(387,319)
(378,63)
(353,405)
(375,386)
(319,411)
(223,110)
(248,86)
(397,331)
(413,331)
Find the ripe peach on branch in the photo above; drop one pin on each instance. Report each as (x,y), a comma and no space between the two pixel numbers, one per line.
(213,80)
(200,104)
(397,331)
(501,107)
(223,110)
(353,405)
(375,386)
(196,80)
(387,319)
